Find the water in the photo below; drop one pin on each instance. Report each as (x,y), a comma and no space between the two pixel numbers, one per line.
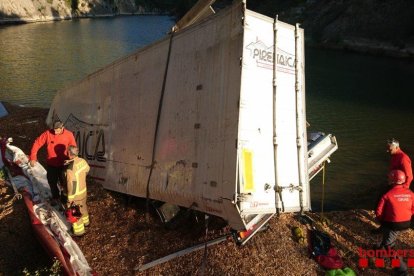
(362,100)
(36,60)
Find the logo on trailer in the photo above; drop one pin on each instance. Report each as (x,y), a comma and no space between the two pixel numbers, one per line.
(263,56)
(89,137)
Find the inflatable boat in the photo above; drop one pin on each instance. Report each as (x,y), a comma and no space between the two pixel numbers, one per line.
(48,222)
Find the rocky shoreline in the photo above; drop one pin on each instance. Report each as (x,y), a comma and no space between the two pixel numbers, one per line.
(368,47)
(328,24)
(362,46)
(19,12)
(44,19)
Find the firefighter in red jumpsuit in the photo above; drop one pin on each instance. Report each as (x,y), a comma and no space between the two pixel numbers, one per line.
(400,161)
(394,212)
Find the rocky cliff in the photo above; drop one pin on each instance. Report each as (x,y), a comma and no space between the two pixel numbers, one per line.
(383,27)
(12,11)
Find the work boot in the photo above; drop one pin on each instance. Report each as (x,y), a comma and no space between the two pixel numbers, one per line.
(377,246)
(85,220)
(78,228)
(377,230)
(54,202)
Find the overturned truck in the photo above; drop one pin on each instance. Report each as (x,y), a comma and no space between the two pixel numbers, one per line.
(204,119)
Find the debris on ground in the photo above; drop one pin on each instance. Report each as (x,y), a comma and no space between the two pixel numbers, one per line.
(121,237)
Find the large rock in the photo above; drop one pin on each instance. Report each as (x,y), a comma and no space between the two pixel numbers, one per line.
(32,11)
(12,11)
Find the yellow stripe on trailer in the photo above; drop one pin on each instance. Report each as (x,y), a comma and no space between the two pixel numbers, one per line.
(247,156)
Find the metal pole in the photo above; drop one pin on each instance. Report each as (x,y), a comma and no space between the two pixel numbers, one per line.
(180,253)
(298,121)
(278,193)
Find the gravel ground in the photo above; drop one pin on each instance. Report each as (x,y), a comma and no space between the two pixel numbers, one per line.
(123,235)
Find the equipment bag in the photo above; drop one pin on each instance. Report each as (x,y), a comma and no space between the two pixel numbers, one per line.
(319,242)
(331,260)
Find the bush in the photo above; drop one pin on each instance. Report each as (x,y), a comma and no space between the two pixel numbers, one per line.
(54,270)
(2,173)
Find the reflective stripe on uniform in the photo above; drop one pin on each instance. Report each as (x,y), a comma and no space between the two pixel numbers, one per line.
(72,197)
(85,220)
(78,228)
(82,166)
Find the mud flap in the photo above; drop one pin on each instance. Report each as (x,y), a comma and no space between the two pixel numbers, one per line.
(241,237)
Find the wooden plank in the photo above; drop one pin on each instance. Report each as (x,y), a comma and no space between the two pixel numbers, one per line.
(199,11)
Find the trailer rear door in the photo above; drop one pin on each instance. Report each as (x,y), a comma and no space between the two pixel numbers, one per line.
(269,116)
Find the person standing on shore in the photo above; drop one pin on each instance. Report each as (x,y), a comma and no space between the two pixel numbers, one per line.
(400,161)
(76,170)
(57,141)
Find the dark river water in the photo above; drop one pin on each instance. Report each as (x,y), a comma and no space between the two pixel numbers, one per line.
(363,100)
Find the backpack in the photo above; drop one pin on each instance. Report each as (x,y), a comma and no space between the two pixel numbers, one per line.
(320,248)
(331,260)
(319,242)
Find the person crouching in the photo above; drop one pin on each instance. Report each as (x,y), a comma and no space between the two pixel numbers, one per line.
(76,170)
(394,211)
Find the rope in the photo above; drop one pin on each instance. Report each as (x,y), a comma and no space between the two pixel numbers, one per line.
(157,125)
(204,262)
(323,190)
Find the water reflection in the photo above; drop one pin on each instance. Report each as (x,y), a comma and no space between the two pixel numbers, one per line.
(36,60)
(363,101)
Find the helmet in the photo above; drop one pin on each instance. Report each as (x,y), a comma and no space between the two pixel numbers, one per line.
(396,177)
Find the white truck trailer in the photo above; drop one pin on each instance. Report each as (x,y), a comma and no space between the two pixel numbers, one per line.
(212,117)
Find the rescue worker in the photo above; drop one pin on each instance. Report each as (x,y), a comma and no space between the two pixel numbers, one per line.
(394,212)
(57,141)
(400,161)
(76,170)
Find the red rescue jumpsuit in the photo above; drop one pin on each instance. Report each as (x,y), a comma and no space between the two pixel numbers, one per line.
(401,161)
(396,208)
(57,152)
